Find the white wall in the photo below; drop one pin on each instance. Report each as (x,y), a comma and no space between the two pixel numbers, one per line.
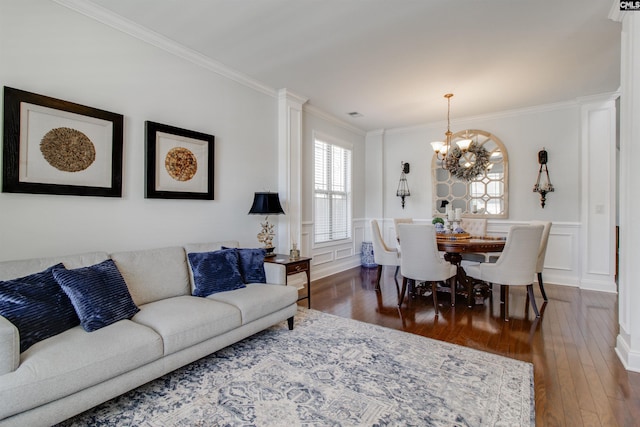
(524,132)
(50,50)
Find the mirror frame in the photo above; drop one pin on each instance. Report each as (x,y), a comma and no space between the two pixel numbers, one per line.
(481,137)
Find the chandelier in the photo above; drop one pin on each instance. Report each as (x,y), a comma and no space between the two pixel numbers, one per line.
(463,158)
(441,148)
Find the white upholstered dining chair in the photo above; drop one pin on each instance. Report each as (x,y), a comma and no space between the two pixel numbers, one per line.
(542,252)
(477,227)
(382,254)
(421,262)
(397,221)
(516,265)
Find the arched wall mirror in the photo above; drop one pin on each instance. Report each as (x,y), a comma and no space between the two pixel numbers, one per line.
(485,195)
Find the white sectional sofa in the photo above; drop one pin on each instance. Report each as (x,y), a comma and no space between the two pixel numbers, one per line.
(70,372)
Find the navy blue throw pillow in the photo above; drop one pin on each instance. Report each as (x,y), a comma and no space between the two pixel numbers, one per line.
(252,264)
(214,272)
(37,306)
(98,293)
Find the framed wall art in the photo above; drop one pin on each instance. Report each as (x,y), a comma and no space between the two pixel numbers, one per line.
(51,146)
(179,163)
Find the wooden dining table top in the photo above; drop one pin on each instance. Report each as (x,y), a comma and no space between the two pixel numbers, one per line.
(471,245)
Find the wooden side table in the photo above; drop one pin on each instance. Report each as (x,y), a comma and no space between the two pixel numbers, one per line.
(294,266)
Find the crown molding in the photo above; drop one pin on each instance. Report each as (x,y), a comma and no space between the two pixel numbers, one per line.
(615,14)
(611,96)
(315,111)
(376,133)
(126,26)
(285,94)
(490,116)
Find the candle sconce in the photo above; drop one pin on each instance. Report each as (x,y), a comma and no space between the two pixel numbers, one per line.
(403,186)
(546,186)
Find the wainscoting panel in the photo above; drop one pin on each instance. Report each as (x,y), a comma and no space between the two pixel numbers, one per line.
(332,258)
(562,263)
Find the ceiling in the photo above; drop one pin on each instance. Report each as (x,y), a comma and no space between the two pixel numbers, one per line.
(393,60)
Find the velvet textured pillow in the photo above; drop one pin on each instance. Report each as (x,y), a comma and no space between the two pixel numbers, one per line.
(214,272)
(251,264)
(98,293)
(37,306)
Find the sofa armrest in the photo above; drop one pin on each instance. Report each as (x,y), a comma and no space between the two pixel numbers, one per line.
(9,346)
(276,273)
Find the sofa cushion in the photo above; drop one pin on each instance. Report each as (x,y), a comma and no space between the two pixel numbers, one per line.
(257,300)
(98,293)
(154,274)
(75,360)
(252,264)
(217,271)
(206,247)
(37,306)
(185,321)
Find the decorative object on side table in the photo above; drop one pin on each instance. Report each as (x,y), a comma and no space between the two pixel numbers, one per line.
(266,203)
(294,253)
(545,187)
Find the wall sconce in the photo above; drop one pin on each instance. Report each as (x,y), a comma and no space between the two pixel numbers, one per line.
(545,187)
(403,187)
(266,203)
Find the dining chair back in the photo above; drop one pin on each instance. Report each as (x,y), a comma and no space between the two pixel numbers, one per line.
(421,261)
(382,254)
(397,221)
(516,265)
(542,253)
(477,227)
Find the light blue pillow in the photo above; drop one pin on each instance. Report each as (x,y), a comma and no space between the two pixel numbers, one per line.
(37,306)
(98,293)
(214,272)
(251,264)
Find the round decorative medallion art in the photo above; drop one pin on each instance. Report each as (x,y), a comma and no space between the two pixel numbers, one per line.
(68,150)
(181,164)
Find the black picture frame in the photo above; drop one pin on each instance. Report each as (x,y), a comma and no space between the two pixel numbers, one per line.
(193,173)
(26,168)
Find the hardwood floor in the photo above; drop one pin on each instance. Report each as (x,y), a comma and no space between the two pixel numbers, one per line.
(579,379)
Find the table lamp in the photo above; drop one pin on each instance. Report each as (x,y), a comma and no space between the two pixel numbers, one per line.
(266,203)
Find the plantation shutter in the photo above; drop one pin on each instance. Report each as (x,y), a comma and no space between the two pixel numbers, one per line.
(332,192)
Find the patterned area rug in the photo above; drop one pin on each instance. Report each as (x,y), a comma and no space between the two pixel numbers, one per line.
(331,371)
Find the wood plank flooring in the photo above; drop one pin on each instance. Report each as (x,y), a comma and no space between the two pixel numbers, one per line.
(579,379)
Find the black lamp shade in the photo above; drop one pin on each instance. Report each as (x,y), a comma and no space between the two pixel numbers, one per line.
(266,204)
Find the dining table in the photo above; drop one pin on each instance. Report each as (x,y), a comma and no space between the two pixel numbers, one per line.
(453,249)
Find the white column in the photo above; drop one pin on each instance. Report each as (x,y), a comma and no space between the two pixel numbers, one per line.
(598,193)
(290,169)
(374,178)
(628,341)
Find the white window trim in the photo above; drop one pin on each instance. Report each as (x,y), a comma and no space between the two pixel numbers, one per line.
(346,145)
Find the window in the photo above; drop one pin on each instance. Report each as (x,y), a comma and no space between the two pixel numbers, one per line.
(332,191)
